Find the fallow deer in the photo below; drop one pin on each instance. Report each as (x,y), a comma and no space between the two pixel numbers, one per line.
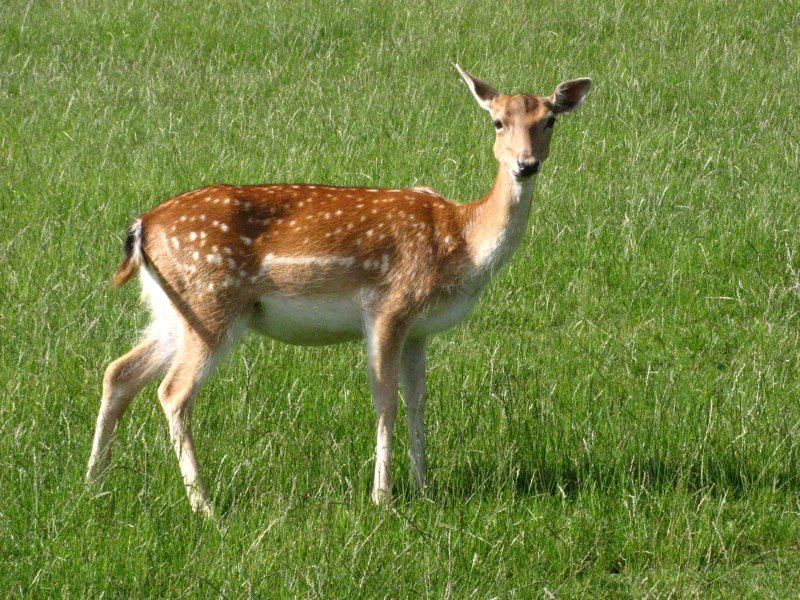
(321,264)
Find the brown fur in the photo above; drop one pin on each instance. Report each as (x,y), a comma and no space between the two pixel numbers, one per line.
(219,235)
(127,269)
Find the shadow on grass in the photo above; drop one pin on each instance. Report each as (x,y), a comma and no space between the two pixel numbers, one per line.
(727,475)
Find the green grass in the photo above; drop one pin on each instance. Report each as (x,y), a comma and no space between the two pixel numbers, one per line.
(619,417)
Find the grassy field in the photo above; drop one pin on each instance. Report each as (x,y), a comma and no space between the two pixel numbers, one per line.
(619,417)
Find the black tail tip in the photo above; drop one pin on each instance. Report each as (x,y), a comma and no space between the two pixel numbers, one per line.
(130,242)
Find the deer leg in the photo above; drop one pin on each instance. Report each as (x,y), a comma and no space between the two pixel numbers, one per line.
(124,378)
(384,343)
(412,380)
(193,363)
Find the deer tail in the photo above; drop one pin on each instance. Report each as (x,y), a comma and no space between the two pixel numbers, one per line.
(134,256)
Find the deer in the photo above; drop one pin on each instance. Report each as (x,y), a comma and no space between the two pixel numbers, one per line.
(317,265)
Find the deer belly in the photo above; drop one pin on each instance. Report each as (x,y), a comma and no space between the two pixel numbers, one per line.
(445,314)
(316,320)
(328,319)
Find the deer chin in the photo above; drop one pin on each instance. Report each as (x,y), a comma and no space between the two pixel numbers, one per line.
(520,178)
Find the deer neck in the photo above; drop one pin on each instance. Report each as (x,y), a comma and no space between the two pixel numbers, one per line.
(494,225)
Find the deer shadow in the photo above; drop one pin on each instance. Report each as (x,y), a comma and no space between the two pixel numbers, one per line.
(568,479)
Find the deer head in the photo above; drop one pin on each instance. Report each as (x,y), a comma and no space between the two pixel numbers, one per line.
(524,123)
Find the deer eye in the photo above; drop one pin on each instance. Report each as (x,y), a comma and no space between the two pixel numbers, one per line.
(498,124)
(550,122)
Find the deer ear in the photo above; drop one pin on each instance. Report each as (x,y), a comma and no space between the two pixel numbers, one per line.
(483,92)
(569,95)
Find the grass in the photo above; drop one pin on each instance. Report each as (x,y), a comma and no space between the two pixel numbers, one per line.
(618,418)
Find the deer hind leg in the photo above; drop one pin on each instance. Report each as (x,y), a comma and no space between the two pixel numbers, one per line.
(194,361)
(385,336)
(124,378)
(412,380)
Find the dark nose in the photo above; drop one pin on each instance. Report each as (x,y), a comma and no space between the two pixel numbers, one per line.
(529,167)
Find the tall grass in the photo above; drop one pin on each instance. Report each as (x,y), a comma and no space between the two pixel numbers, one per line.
(619,417)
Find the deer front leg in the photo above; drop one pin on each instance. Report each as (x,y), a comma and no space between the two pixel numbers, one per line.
(412,380)
(384,343)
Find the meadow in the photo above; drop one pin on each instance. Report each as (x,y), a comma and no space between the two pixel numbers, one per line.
(618,418)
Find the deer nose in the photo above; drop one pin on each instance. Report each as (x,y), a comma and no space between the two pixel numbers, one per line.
(528,167)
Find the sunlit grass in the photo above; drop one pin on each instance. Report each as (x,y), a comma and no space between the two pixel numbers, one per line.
(620,415)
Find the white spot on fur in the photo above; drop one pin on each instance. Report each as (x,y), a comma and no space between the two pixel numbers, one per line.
(247,241)
(192,236)
(224,227)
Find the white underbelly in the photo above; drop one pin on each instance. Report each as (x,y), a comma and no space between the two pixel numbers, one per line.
(327,319)
(310,321)
(445,314)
